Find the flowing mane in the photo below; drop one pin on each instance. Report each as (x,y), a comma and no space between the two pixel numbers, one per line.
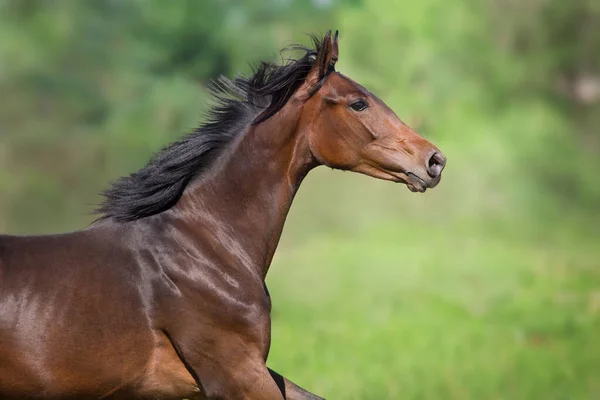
(239,103)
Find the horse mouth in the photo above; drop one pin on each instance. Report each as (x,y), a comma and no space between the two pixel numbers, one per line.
(417,184)
(413,182)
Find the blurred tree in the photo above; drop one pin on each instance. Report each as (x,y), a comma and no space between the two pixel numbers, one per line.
(90,89)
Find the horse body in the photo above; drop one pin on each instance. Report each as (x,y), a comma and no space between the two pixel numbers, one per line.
(116,305)
(123,293)
(164,296)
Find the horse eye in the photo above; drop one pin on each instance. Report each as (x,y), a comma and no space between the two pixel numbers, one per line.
(359,105)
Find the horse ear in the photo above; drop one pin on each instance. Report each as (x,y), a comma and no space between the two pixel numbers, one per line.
(335,49)
(323,63)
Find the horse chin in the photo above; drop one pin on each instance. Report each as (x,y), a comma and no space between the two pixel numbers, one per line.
(416,189)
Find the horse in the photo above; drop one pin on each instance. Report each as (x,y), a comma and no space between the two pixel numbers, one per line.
(164,295)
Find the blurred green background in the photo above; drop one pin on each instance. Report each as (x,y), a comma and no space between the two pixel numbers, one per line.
(487,287)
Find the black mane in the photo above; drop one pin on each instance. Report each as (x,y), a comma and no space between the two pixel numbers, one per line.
(239,102)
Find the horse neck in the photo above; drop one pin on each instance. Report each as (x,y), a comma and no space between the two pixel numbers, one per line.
(242,202)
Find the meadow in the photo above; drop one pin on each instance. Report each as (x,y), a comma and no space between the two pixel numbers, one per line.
(402,305)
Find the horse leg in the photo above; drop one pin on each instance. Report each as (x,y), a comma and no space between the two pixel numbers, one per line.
(234,370)
(246,380)
(290,390)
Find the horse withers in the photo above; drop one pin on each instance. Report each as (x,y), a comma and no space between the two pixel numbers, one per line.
(164,296)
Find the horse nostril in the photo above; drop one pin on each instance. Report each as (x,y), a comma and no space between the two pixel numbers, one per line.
(436,164)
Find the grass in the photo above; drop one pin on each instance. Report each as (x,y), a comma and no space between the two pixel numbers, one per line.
(403,309)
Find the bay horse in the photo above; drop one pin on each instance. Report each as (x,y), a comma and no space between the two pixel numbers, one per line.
(164,296)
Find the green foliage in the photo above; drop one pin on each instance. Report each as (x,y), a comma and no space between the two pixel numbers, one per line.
(484,288)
